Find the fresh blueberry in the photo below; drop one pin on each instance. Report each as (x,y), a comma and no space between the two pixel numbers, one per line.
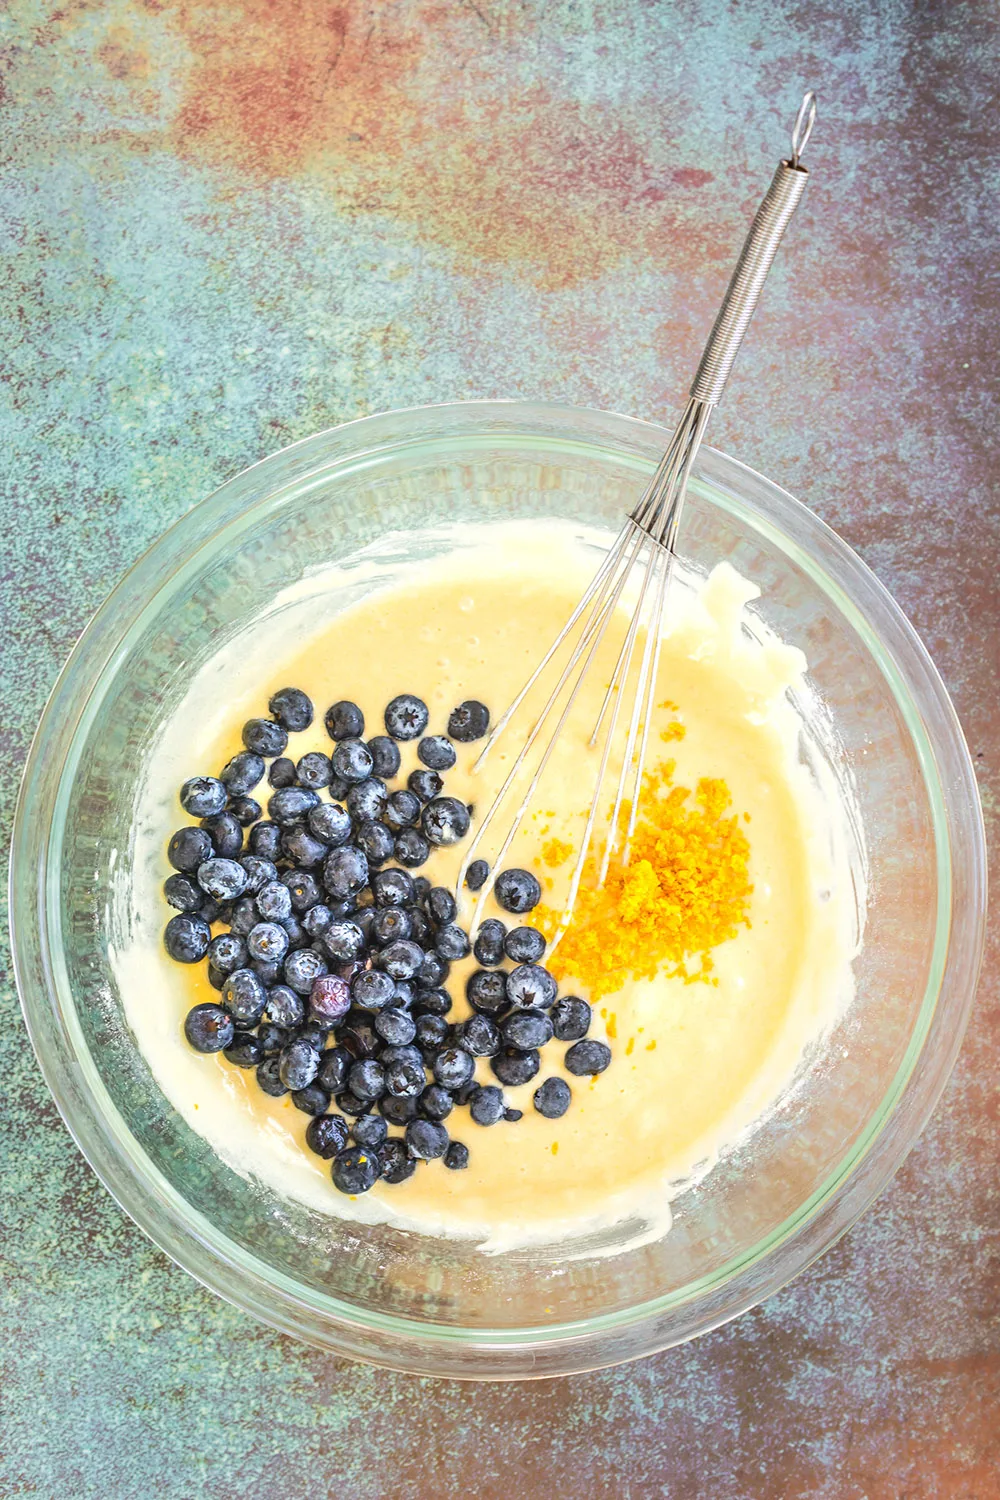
(552,1098)
(436,1103)
(330,998)
(356,1169)
(452,943)
(476,875)
(292,709)
(392,888)
(513,1067)
(398,1109)
(216,911)
(488,947)
(358,1034)
(317,920)
(405,1077)
(350,1104)
(303,968)
(227,952)
(297,935)
(187,938)
(329,823)
(526,1029)
(244,996)
(189,848)
(435,1002)
(453,1066)
(363,916)
(433,971)
(245,810)
(298,1064)
(281,773)
(525,945)
(376,842)
(421,888)
(291,804)
(422,931)
(385,756)
(402,810)
(208,1028)
(274,901)
(401,959)
(391,923)
(284,1007)
(436,752)
(352,761)
(570,1018)
(312,1100)
(395,1026)
(269,1077)
(344,721)
(531,987)
(335,1064)
(481,1037)
(226,833)
(486,1105)
(370,1131)
(345,872)
(314,1035)
(314,770)
(513,1115)
(517,891)
(486,991)
(268,942)
(243,773)
(445,821)
(267,972)
(244,918)
(440,905)
(424,784)
(432,1031)
(343,941)
(394,1158)
(265,840)
(469,721)
(265,737)
(203,796)
(326,1135)
(245,1050)
(260,872)
(299,845)
(406,717)
(587,1058)
(303,889)
(411,848)
(183,893)
(366,800)
(272,1038)
(456,1158)
(426,1140)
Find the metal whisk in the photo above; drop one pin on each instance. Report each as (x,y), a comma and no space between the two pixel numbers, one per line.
(644,548)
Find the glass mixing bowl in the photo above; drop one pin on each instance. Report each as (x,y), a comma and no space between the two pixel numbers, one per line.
(877,709)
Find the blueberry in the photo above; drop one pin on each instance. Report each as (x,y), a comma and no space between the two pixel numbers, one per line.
(402,810)
(274,901)
(385,756)
(352,761)
(291,804)
(358,1034)
(433,971)
(486,1105)
(303,889)
(226,833)
(203,796)
(476,875)
(364,916)
(299,845)
(350,1104)
(424,784)
(404,1078)
(297,935)
(265,840)
(312,1100)
(395,1160)
(421,888)
(356,1169)
(375,841)
(366,800)
(344,721)
(435,1002)
(469,721)
(284,1007)
(189,848)
(227,952)
(244,918)
(330,824)
(314,770)
(422,930)
(445,820)
(552,1098)
(272,1038)
(453,1066)
(525,945)
(267,972)
(245,810)
(587,1058)
(517,891)
(187,938)
(244,996)
(432,1031)
(570,1018)
(292,709)
(326,1135)
(406,717)
(216,911)
(395,1026)
(488,947)
(265,737)
(281,773)
(268,942)
(335,1064)
(531,987)
(392,888)
(391,923)
(441,905)
(456,1158)
(398,1108)
(401,959)
(317,920)
(242,773)
(451,943)
(513,1115)
(314,1036)
(426,1140)
(370,1131)
(411,848)
(330,998)
(269,1077)
(513,1067)
(183,893)
(208,1028)
(486,991)
(216,978)
(343,941)
(526,1029)
(436,752)
(260,872)
(436,1103)
(481,1037)
(303,968)
(298,1064)
(345,872)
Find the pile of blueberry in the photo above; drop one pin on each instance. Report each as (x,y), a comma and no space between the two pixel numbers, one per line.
(333,959)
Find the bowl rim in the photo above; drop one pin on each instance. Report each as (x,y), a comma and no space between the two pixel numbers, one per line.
(560,1348)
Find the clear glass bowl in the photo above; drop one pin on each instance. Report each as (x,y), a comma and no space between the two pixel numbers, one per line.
(878,709)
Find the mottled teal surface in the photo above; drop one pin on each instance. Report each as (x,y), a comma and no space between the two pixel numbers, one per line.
(228,225)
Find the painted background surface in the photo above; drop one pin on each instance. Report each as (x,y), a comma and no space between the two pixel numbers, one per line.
(226,225)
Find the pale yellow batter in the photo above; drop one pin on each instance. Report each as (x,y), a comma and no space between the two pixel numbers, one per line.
(693,1065)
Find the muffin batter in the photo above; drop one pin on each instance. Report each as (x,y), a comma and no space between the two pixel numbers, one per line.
(694,1064)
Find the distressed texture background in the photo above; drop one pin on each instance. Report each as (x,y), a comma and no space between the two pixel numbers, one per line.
(229,224)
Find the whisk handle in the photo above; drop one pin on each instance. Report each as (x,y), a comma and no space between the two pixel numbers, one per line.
(759,249)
